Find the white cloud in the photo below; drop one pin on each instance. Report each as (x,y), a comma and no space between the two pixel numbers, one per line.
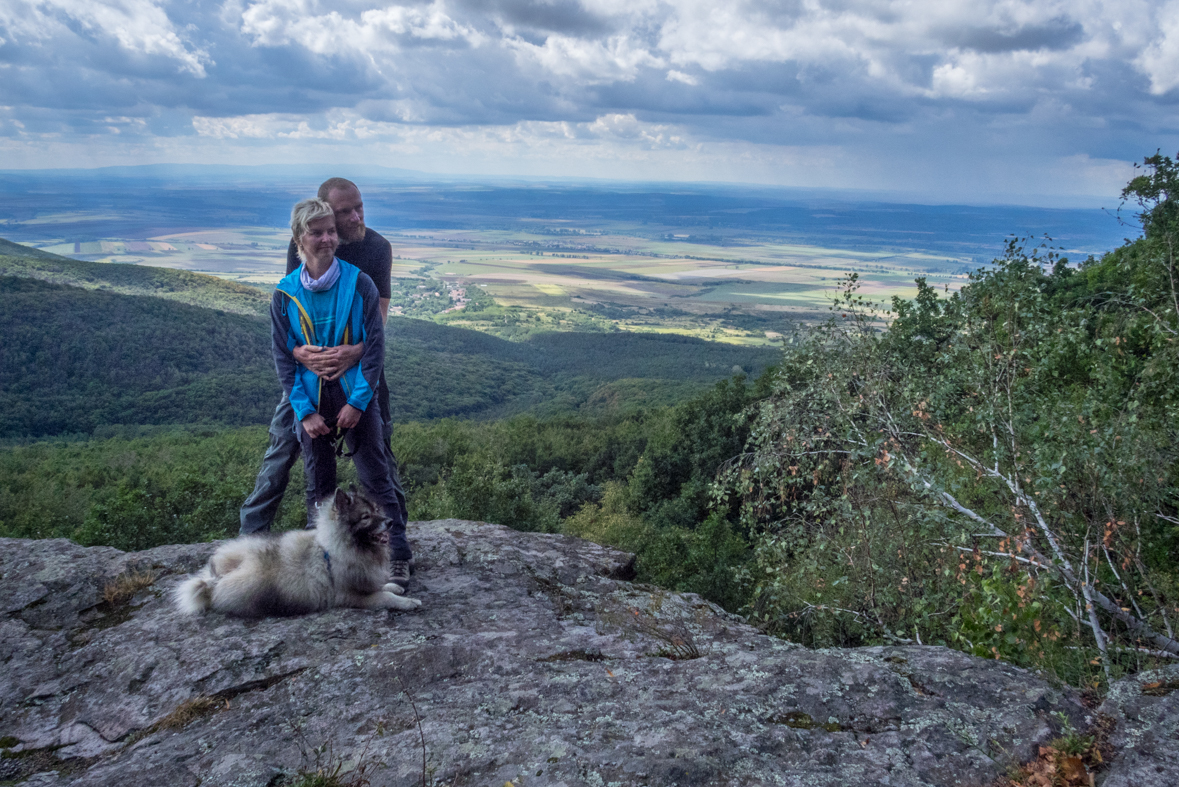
(137,25)
(244,127)
(618,58)
(277,126)
(628,127)
(348,125)
(967,47)
(310,24)
(1090,175)
(430,23)
(1160,60)
(715,36)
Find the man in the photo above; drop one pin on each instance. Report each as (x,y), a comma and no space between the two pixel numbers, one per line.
(373,255)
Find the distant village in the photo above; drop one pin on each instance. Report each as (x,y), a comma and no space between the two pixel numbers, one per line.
(457,296)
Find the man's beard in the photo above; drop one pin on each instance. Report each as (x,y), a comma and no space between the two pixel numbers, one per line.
(354,236)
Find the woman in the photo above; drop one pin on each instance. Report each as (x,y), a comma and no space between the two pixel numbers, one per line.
(328,302)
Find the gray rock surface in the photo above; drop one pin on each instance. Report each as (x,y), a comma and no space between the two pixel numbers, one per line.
(533,661)
(1145,711)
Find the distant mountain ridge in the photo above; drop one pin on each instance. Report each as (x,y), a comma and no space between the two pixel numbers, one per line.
(89,345)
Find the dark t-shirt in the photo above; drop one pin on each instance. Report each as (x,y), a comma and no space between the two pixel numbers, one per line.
(373,256)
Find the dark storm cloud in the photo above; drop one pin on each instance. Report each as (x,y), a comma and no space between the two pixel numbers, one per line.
(1055,34)
(568,17)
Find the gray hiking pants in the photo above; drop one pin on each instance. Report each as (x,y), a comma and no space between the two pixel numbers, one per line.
(369,453)
(260,508)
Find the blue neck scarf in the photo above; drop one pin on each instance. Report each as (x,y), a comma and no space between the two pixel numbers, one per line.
(324,282)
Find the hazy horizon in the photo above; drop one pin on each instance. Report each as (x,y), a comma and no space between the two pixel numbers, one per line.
(73,205)
(312,172)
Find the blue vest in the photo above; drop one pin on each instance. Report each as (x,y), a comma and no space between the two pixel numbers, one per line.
(345,325)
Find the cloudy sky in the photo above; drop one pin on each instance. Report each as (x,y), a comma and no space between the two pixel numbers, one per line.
(951,99)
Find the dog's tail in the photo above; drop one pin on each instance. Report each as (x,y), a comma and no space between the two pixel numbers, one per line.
(195,594)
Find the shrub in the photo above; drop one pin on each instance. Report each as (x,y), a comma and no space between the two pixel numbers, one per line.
(487,490)
(708,559)
(992,462)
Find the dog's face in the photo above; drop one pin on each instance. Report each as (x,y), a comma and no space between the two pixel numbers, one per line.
(363,520)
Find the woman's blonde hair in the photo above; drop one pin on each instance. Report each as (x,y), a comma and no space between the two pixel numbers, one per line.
(303,214)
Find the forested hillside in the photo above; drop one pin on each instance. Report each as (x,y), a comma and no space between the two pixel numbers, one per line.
(194,289)
(134,346)
(75,359)
(436,371)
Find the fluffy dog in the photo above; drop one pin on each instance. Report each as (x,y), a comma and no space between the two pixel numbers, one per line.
(344,562)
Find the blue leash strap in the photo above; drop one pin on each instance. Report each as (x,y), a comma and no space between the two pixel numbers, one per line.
(327,559)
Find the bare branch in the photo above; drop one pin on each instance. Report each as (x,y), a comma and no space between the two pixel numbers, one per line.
(1091,608)
(1008,555)
(1122,582)
(1136,625)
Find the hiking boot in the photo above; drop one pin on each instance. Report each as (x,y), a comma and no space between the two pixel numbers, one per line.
(399,573)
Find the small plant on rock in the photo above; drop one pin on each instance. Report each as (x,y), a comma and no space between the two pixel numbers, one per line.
(123,588)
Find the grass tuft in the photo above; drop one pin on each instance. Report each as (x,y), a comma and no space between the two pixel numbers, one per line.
(123,588)
(189,711)
(678,644)
(325,768)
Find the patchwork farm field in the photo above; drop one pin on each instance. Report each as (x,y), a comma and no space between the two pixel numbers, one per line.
(731,265)
(749,293)
(246,254)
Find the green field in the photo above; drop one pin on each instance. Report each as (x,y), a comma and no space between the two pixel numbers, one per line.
(515,283)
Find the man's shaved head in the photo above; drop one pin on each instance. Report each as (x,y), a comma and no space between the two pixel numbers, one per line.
(328,185)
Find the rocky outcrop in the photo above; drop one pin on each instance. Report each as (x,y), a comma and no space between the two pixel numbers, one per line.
(533,661)
(1142,712)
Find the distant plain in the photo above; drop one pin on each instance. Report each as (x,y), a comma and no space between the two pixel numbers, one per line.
(729,264)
